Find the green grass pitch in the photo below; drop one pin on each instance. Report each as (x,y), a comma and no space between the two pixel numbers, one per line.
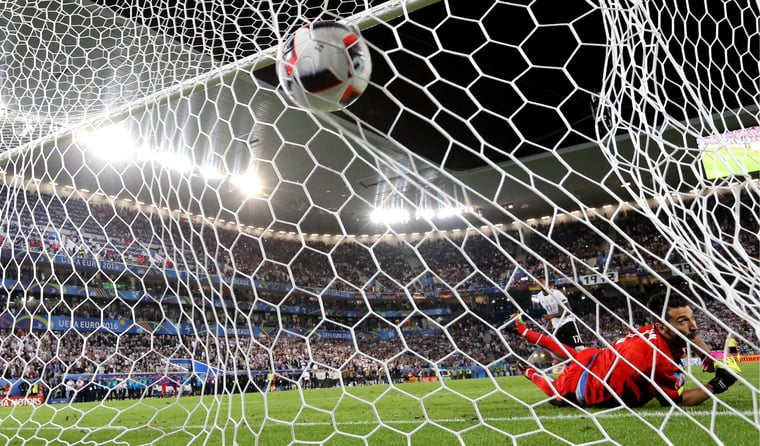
(507,410)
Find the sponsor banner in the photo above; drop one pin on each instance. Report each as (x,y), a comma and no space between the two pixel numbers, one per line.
(90,263)
(685,268)
(61,323)
(561,281)
(84,325)
(58,401)
(14,401)
(739,358)
(221,330)
(402,314)
(334,334)
(384,334)
(598,279)
(427,379)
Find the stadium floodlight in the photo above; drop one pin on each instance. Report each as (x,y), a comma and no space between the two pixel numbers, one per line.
(172,161)
(111,143)
(211,173)
(449,211)
(389,216)
(425,213)
(247,183)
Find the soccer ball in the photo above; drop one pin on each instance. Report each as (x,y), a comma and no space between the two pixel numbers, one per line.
(324,66)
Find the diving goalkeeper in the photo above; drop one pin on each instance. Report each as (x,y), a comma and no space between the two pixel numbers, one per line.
(640,367)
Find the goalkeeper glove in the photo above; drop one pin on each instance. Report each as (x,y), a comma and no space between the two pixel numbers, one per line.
(725,375)
(708,364)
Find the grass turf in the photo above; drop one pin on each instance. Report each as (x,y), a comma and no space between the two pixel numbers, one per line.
(507,410)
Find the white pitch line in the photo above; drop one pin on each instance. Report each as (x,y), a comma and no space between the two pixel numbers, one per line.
(571,416)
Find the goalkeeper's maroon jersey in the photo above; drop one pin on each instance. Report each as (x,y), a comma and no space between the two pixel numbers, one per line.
(635,383)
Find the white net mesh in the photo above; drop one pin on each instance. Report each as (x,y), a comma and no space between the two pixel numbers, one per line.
(189,258)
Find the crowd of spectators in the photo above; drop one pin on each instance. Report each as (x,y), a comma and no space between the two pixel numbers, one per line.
(394,276)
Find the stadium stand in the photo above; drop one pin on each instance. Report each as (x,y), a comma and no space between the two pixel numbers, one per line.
(140,330)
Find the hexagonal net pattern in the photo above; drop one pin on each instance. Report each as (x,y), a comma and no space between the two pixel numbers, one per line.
(190,257)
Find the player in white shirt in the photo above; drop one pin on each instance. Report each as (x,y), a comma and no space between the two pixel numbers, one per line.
(558,314)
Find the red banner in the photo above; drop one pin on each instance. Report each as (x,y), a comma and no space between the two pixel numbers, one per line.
(739,358)
(33,400)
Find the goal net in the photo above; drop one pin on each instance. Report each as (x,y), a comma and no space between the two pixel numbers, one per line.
(189,258)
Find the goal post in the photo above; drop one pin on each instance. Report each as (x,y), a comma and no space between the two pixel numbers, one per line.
(188,257)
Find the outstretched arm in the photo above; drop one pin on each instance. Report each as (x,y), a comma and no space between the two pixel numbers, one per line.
(725,376)
(693,397)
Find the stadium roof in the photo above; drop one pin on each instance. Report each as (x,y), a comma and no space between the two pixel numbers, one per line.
(532,66)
